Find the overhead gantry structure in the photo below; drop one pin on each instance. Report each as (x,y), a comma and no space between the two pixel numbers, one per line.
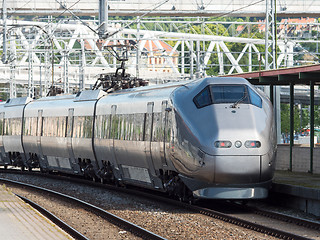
(77,55)
(185,8)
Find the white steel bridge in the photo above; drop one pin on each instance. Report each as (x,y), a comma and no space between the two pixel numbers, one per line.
(67,51)
(71,54)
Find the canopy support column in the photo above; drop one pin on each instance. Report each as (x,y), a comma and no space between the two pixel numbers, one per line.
(291,122)
(311,124)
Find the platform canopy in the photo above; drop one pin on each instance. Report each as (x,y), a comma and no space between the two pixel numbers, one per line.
(303,75)
(296,75)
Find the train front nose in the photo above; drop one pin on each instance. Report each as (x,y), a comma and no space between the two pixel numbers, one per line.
(232,127)
(238,167)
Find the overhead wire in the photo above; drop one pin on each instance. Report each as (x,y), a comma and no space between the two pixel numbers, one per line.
(136,20)
(221,15)
(74,15)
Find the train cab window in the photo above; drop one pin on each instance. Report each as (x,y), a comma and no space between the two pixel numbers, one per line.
(203,98)
(255,99)
(216,94)
(229,93)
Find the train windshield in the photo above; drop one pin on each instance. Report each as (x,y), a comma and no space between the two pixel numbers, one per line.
(235,94)
(229,93)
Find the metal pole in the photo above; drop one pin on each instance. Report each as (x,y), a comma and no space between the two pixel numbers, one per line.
(30,76)
(267,36)
(191,59)
(250,58)
(103,18)
(272,93)
(182,58)
(81,67)
(66,70)
(138,46)
(40,73)
(13,54)
(4,17)
(291,122)
(311,124)
(270,34)
(198,58)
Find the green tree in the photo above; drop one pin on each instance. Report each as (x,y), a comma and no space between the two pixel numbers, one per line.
(301,118)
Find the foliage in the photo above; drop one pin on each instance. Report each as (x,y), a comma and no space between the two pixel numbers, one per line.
(301,117)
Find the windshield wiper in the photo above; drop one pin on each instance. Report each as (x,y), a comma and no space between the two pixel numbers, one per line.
(238,101)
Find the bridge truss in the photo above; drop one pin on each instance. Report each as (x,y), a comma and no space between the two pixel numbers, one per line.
(69,53)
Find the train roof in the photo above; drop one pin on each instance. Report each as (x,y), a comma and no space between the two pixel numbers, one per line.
(186,83)
(156,91)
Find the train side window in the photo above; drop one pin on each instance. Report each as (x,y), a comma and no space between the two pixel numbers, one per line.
(61,126)
(88,126)
(203,98)
(138,127)
(130,119)
(98,127)
(26,126)
(103,126)
(45,125)
(122,127)
(255,99)
(34,126)
(6,128)
(1,123)
(18,125)
(114,134)
(157,135)
(83,127)
(12,126)
(30,126)
(1,126)
(78,127)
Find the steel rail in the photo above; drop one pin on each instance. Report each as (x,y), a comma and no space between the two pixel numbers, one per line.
(247,224)
(284,217)
(135,229)
(205,211)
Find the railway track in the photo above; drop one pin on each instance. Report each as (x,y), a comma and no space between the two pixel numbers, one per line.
(250,218)
(255,219)
(122,223)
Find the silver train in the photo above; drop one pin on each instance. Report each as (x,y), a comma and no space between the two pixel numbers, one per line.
(211,138)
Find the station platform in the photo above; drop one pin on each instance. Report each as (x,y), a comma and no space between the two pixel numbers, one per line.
(20,221)
(297,179)
(297,190)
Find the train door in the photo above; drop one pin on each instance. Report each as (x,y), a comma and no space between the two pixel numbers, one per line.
(164,106)
(168,132)
(39,134)
(3,154)
(74,164)
(149,117)
(157,138)
(114,132)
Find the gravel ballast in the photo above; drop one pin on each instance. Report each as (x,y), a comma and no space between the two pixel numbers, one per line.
(162,219)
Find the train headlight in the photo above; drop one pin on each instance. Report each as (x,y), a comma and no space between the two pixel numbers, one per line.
(252,144)
(223,144)
(238,144)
